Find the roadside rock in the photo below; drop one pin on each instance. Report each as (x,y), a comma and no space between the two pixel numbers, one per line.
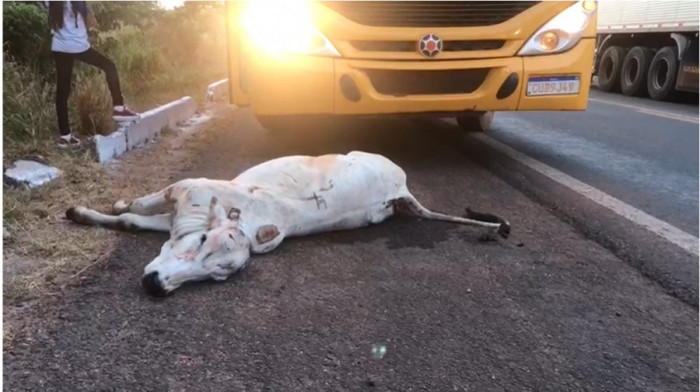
(29,173)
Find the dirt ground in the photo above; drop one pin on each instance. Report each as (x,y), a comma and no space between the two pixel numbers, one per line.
(44,253)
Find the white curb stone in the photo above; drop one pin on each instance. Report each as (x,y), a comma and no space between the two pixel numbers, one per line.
(135,134)
(217,90)
(30,173)
(111,146)
(154,121)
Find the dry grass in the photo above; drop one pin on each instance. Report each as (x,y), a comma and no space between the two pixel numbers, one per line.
(45,252)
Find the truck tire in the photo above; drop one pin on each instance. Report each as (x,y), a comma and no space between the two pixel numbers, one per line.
(475,122)
(610,66)
(661,79)
(633,76)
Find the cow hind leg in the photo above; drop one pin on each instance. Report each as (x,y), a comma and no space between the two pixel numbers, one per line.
(409,204)
(125,221)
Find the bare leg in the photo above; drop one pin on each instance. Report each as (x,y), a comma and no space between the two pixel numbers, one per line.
(411,205)
(126,221)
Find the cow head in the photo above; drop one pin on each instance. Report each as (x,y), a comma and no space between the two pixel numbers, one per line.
(213,253)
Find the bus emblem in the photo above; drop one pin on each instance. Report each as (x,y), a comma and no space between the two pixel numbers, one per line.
(430,45)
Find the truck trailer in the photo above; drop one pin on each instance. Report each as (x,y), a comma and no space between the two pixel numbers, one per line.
(647,48)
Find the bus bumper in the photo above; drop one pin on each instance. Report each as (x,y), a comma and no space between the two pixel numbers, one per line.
(290,85)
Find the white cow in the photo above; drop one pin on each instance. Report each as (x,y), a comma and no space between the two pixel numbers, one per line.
(215,225)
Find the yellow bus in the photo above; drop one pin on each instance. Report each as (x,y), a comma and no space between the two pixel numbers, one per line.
(468,59)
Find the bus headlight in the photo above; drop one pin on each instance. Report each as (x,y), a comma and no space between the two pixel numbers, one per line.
(283,26)
(562,32)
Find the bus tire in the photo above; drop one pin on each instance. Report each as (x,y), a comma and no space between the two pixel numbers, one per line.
(635,68)
(475,122)
(661,78)
(610,66)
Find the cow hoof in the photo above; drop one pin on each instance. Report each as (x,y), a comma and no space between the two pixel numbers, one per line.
(74,214)
(119,207)
(70,213)
(504,229)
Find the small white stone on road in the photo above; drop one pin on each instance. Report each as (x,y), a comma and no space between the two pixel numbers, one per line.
(378,351)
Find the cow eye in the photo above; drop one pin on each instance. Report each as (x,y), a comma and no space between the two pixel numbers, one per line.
(202,239)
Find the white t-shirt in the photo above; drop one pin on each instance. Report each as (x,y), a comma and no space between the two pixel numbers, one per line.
(73,36)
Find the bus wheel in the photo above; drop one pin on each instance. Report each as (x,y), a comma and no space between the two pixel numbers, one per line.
(661,80)
(609,68)
(633,77)
(475,122)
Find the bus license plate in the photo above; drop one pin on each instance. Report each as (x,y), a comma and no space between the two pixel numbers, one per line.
(553,85)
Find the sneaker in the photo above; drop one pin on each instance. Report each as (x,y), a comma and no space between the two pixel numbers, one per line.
(68,141)
(122,113)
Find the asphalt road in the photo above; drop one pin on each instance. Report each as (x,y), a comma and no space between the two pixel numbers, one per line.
(642,152)
(546,310)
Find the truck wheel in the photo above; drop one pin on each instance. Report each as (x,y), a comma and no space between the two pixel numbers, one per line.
(661,79)
(475,122)
(610,66)
(633,76)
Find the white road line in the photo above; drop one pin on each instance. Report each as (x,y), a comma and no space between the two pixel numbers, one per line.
(670,233)
(653,112)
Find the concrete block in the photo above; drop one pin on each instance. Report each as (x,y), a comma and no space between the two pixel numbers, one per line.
(217,90)
(30,173)
(147,128)
(153,121)
(135,134)
(110,147)
(181,110)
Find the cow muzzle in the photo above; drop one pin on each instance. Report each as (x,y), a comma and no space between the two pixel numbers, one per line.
(152,284)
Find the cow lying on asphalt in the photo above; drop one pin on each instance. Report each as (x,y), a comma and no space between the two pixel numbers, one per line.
(215,225)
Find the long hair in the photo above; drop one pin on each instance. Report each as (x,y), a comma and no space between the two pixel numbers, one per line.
(56,12)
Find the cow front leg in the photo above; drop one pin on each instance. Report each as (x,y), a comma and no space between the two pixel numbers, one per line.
(126,221)
(146,205)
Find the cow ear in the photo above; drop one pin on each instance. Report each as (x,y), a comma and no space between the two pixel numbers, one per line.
(234,213)
(266,233)
(217,214)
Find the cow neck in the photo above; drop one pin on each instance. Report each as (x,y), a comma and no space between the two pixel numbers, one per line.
(195,219)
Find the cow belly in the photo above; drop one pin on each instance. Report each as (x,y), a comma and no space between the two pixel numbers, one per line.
(350,180)
(343,221)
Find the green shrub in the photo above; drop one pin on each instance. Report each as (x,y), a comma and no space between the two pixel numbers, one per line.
(26,36)
(160,56)
(138,61)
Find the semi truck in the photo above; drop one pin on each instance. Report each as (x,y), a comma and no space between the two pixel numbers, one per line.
(647,48)
(291,59)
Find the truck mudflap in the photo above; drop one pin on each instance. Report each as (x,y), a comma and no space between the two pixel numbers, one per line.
(687,79)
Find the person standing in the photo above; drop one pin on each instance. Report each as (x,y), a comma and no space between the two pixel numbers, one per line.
(69,22)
